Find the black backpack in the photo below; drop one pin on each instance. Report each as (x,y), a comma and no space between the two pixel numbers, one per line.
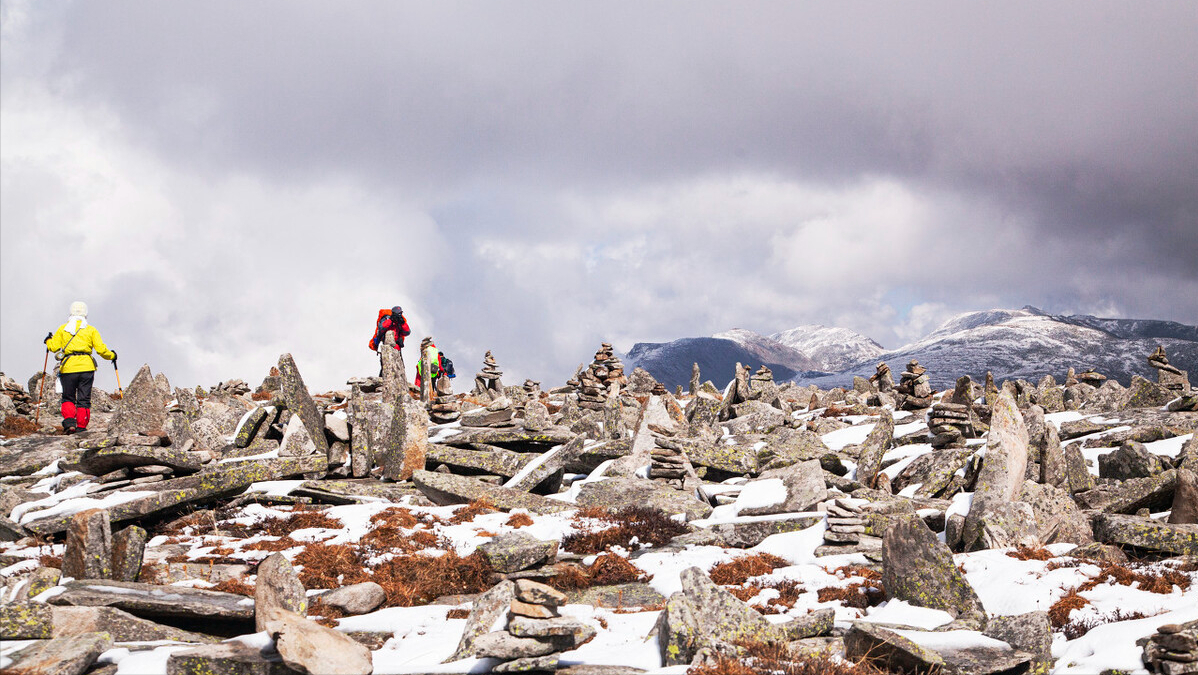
(447,366)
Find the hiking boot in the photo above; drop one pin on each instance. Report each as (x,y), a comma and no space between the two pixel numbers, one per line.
(69,426)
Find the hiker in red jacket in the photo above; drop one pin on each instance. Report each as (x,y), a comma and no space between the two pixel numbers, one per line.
(389,321)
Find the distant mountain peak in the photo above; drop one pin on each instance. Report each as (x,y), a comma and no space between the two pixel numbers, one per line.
(832,349)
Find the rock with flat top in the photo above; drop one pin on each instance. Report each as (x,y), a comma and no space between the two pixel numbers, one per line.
(61,656)
(89,546)
(309,647)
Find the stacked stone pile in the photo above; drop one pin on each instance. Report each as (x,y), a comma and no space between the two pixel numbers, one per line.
(882,380)
(232,387)
(595,381)
(846,523)
(18,401)
(519,624)
(443,407)
(1172,650)
(1169,376)
(668,463)
(1091,377)
(487,385)
(914,387)
(952,420)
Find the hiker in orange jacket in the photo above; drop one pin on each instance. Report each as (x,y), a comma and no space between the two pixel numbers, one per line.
(389,321)
(77,371)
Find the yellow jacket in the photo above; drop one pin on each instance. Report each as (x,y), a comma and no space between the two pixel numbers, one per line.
(77,358)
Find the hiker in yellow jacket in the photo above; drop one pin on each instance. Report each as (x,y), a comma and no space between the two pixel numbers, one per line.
(76,340)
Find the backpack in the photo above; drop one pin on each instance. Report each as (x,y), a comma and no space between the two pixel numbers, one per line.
(447,366)
(376,339)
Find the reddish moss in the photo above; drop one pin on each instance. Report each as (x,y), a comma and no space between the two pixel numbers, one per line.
(738,571)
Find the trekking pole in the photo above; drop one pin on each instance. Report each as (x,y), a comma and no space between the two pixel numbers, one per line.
(38,413)
(119,392)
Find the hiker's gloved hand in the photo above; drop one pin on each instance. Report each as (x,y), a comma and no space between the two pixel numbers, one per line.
(48,336)
(114,356)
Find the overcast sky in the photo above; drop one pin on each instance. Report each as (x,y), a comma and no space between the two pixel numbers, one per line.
(226,181)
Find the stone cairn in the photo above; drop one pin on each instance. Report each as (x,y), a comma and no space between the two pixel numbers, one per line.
(487,385)
(760,378)
(846,523)
(22,402)
(595,380)
(231,388)
(444,407)
(536,634)
(1092,378)
(1169,376)
(1173,650)
(532,388)
(659,389)
(882,380)
(667,460)
(950,421)
(915,388)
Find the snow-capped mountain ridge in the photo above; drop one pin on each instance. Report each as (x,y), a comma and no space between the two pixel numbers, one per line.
(1026,343)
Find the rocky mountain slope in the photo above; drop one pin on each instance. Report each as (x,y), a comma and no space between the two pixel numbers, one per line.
(1029,344)
(1025,343)
(670,362)
(834,349)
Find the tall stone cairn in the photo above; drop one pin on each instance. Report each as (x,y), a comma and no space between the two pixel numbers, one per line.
(596,380)
(487,384)
(915,387)
(882,380)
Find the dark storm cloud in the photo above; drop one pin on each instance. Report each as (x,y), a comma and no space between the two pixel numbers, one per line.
(643,170)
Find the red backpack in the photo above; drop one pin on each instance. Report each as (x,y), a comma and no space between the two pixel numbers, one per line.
(383,313)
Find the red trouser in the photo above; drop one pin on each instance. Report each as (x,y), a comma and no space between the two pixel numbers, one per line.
(77,397)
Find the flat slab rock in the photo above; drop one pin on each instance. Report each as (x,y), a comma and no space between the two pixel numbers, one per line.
(152,600)
(445,489)
(226,658)
(1146,533)
(60,656)
(103,460)
(221,480)
(618,493)
(950,652)
(39,621)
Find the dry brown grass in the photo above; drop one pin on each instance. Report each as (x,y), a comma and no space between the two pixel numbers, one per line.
(263,395)
(418,580)
(645,525)
(15,426)
(328,614)
(777,659)
(301,517)
(1031,553)
(609,569)
(1077,628)
(48,560)
(1058,614)
(1153,581)
(477,507)
(739,571)
(234,586)
(272,545)
(457,613)
(788,593)
(519,520)
(330,566)
(859,595)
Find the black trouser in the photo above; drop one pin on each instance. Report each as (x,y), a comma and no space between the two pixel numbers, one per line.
(77,388)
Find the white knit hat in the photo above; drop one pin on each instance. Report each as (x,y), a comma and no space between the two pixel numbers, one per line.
(79,308)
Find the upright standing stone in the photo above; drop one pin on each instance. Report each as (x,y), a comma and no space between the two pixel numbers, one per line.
(1003,468)
(1053,467)
(128,547)
(277,588)
(89,546)
(1185,499)
(359,435)
(875,445)
(919,569)
(395,377)
(694,383)
(299,401)
(142,409)
(406,444)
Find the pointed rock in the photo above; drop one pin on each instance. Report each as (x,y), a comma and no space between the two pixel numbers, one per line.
(297,399)
(880,439)
(128,548)
(142,409)
(89,546)
(278,589)
(486,612)
(919,569)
